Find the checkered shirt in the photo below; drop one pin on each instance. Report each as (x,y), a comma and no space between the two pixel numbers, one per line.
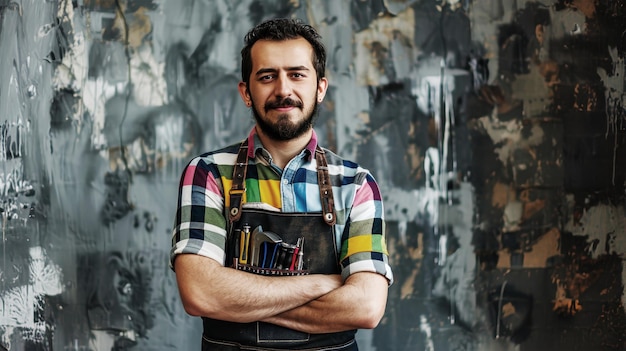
(201,218)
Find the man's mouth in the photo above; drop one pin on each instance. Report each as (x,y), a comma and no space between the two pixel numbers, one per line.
(283,104)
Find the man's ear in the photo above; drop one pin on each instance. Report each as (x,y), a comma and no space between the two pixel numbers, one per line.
(244,93)
(322,87)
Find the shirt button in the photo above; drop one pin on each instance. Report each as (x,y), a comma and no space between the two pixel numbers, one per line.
(285,181)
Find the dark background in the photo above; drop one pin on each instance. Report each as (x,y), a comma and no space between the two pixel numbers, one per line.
(495,128)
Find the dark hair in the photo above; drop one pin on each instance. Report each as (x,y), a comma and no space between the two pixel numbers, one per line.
(283,29)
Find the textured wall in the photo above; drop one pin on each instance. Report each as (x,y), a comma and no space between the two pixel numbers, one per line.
(496,129)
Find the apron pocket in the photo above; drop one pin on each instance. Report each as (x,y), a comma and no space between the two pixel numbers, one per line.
(270,333)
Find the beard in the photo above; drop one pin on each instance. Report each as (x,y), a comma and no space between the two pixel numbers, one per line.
(283,129)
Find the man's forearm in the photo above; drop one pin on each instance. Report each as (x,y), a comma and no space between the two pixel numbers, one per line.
(358,304)
(210,290)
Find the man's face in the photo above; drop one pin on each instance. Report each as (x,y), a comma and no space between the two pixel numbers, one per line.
(283,90)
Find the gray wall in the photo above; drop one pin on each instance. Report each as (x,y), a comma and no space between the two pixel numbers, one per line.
(496,129)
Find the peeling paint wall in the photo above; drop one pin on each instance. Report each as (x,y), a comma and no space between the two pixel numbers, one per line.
(495,128)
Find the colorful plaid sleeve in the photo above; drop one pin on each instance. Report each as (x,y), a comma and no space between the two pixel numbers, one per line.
(199,226)
(363,244)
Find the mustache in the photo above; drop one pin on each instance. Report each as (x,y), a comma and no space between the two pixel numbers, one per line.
(286,102)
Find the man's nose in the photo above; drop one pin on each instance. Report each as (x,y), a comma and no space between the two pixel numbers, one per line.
(283,86)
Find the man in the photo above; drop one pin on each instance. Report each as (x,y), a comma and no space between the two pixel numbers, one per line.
(278,243)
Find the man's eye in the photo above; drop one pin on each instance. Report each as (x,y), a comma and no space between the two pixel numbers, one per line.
(268,76)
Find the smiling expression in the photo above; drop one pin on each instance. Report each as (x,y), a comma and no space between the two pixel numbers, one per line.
(284,90)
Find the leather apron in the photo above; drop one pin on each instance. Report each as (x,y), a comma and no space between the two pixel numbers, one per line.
(319,256)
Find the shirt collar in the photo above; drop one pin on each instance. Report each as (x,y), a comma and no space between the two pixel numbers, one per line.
(254,143)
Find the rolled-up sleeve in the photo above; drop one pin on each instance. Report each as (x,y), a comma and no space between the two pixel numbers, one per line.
(199,226)
(364,247)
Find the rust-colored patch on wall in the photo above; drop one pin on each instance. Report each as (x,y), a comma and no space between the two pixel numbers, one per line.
(508,310)
(139,26)
(131,24)
(530,207)
(564,305)
(585,98)
(373,46)
(572,281)
(501,195)
(415,160)
(587,7)
(546,247)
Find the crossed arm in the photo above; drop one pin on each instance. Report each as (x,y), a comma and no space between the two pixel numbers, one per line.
(314,303)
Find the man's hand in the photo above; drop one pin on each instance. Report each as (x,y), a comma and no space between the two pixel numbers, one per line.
(358,304)
(208,289)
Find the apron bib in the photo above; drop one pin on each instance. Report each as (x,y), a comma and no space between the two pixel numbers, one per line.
(277,243)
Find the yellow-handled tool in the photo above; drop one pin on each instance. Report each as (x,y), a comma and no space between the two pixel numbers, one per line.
(244,244)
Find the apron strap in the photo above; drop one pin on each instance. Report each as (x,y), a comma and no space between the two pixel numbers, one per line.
(238,187)
(326,187)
